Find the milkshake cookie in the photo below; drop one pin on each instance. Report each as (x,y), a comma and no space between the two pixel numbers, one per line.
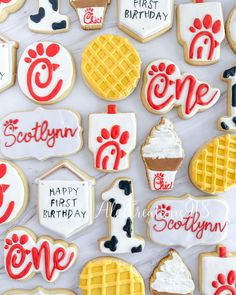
(163,155)
(171,276)
(111,67)
(91,13)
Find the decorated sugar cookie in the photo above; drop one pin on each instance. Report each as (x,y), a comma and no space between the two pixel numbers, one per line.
(9,6)
(36,255)
(163,155)
(171,276)
(229,123)
(165,87)
(91,13)
(212,168)
(8,59)
(217,274)
(145,20)
(200,30)
(46,72)
(187,221)
(231,29)
(111,67)
(66,199)
(40,134)
(13,192)
(121,238)
(111,276)
(48,18)
(112,138)
(40,291)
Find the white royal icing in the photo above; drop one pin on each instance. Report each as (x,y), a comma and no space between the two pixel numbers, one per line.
(48,18)
(7,64)
(13,193)
(188,221)
(114,148)
(66,206)
(201,37)
(117,196)
(46,72)
(165,87)
(161,180)
(40,291)
(40,134)
(173,277)
(146,19)
(91,16)
(211,267)
(17,250)
(163,142)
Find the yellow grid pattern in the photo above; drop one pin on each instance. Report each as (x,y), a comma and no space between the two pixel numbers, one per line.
(110,276)
(213,169)
(111,66)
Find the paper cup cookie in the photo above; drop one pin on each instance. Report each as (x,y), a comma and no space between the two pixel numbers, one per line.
(48,18)
(9,6)
(111,67)
(163,155)
(171,276)
(200,30)
(145,20)
(46,72)
(36,255)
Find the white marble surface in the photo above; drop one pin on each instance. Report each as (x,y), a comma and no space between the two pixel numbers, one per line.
(194,133)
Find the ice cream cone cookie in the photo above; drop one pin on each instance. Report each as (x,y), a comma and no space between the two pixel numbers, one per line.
(163,155)
(9,6)
(145,20)
(111,67)
(231,29)
(213,167)
(46,72)
(217,274)
(110,276)
(48,18)
(8,60)
(165,87)
(171,277)
(200,30)
(25,255)
(121,238)
(112,138)
(91,13)
(187,221)
(229,123)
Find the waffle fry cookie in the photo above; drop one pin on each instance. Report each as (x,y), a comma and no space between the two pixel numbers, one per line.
(110,276)
(213,168)
(111,67)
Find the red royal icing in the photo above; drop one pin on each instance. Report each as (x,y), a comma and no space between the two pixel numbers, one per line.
(225,285)
(90,19)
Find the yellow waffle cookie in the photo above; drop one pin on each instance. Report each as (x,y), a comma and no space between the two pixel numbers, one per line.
(213,167)
(110,276)
(111,67)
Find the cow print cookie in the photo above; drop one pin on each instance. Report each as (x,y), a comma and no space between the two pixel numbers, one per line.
(200,30)
(9,6)
(171,276)
(13,192)
(48,18)
(121,238)
(217,274)
(112,138)
(46,72)
(165,87)
(145,20)
(36,255)
(229,123)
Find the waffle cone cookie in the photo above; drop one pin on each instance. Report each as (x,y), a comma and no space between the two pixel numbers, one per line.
(111,67)
(110,276)
(171,277)
(213,168)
